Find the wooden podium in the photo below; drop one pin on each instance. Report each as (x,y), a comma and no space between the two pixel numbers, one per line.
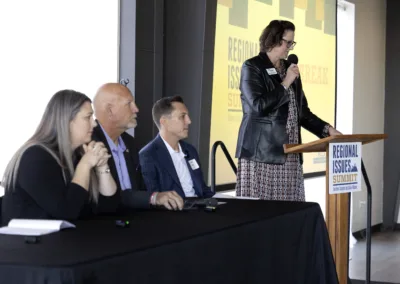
(337,205)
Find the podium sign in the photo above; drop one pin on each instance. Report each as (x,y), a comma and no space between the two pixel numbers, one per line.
(337,205)
(344,167)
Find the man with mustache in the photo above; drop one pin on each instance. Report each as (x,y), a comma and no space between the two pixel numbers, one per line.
(116,111)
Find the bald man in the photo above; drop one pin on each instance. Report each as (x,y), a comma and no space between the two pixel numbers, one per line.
(116,111)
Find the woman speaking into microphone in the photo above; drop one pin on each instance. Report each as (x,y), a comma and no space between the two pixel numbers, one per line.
(274,108)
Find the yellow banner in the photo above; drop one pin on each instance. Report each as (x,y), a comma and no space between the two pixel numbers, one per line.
(238,28)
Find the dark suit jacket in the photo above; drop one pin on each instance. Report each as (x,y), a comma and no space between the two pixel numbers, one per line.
(41,192)
(159,173)
(137,197)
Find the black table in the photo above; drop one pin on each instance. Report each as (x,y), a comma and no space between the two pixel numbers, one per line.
(245,241)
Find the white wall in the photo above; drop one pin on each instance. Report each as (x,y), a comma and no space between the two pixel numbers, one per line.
(369,95)
(345,78)
(48,46)
(315,189)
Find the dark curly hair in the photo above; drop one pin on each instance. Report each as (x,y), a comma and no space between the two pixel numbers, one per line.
(273,33)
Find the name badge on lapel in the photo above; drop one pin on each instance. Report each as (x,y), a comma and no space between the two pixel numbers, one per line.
(271,71)
(193,164)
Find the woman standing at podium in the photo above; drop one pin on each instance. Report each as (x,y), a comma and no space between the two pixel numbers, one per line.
(274,108)
(59,173)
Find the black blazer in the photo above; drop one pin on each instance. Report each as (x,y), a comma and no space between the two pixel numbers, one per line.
(41,193)
(159,171)
(137,197)
(265,104)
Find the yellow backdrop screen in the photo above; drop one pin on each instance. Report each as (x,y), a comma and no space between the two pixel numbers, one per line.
(238,28)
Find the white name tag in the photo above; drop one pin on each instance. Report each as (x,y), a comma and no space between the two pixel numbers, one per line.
(193,164)
(271,71)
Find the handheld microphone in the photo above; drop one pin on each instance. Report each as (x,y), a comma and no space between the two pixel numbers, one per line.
(293,59)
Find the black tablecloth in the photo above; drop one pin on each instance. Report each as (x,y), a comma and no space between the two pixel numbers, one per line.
(244,241)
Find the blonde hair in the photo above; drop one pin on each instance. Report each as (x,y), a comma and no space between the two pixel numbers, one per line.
(53,135)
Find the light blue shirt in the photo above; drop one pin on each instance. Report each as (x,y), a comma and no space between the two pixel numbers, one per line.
(119,159)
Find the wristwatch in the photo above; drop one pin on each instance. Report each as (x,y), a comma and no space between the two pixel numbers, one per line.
(106,171)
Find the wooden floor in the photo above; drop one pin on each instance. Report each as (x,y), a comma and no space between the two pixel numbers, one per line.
(385,258)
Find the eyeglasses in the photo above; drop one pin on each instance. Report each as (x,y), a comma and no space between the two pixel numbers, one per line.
(289,43)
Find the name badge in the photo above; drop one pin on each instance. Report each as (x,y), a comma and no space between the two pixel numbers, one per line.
(271,71)
(193,164)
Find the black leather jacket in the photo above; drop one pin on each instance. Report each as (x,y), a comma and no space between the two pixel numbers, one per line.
(265,104)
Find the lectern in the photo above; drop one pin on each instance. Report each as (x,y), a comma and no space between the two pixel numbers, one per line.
(337,205)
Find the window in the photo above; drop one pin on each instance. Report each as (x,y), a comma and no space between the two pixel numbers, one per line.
(47,46)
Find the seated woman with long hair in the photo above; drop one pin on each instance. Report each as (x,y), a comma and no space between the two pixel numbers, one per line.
(59,173)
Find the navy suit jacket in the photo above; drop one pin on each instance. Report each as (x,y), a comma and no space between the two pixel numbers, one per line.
(137,197)
(159,172)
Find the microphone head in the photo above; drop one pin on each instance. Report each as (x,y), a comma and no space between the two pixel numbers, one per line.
(293,59)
